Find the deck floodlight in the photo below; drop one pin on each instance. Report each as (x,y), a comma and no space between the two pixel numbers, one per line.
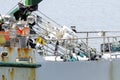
(6,19)
(30,19)
(101,33)
(20,25)
(5,27)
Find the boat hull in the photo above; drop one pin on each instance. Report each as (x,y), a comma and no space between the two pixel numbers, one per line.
(34,67)
(83,70)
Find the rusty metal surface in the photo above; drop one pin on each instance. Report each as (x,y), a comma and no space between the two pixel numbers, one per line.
(8,56)
(17,73)
(82,70)
(14,53)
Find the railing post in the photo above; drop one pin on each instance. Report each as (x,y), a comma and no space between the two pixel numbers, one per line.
(87,39)
(109,46)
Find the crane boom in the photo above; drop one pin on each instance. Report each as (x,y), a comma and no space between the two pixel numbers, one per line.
(23,10)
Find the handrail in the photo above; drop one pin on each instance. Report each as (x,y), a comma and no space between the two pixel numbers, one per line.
(95,31)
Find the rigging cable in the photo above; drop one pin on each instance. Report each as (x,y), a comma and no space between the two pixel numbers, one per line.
(13,7)
(49,18)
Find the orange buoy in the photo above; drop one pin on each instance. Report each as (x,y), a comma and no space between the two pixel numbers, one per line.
(23,32)
(5,34)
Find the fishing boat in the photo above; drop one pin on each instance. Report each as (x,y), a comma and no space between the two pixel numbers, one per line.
(34,47)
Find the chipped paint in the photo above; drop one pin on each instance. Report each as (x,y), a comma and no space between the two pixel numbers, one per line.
(32,74)
(12,74)
(12,70)
(24,52)
(3,58)
(19,52)
(10,50)
(3,77)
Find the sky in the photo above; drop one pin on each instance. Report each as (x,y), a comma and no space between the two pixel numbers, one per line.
(86,15)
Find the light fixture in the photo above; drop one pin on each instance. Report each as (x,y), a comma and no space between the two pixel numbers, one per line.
(31,19)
